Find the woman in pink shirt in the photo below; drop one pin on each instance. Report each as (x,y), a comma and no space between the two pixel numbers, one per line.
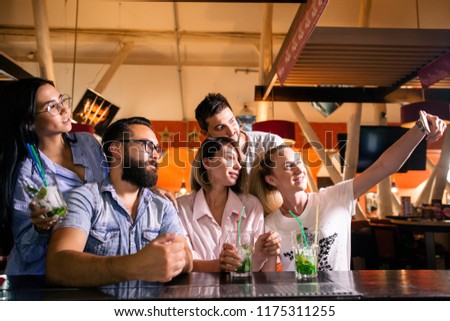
(211,211)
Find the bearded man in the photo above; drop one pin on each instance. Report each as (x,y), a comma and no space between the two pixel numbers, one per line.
(120,230)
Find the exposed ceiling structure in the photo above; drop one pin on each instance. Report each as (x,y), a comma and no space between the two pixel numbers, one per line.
(368,65)
(341,61)
(363,65)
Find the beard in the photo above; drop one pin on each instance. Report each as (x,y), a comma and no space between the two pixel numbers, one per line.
(135,172)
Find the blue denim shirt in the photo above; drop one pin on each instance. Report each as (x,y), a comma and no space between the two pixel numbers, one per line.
(28,254)
(97,210)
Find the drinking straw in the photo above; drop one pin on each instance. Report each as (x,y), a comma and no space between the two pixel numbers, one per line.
(35,159)
(38,159)
(36,168)
(301,228)
(239,226)
(317,225)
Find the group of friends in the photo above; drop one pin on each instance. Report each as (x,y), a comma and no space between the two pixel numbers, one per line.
(120,226)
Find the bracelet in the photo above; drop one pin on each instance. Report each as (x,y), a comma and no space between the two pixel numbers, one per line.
(422,123)
(421,127)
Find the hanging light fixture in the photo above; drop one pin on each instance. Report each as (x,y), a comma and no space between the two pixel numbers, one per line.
(247,118)
(283,128)
(183,189)
(394,188)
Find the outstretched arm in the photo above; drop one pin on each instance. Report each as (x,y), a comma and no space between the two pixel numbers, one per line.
(396,155)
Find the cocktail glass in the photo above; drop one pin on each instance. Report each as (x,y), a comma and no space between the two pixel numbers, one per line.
(50,199)
(306,252)
(244,248)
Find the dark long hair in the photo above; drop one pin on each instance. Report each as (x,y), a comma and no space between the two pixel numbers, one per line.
(18,107)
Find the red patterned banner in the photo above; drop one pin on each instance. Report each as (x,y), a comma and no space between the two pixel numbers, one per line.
(436,70)
(305,23)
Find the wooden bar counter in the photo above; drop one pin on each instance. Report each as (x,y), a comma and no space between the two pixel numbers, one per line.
(335,285)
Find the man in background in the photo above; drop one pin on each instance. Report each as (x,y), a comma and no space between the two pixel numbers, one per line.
(216,119)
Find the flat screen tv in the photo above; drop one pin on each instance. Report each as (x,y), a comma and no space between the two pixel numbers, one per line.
(374,140)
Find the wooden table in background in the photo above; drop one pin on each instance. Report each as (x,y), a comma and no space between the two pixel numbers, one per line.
(427,227)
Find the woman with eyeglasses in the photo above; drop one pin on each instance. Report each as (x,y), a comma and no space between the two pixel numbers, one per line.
(217,206)
(281,172)
(35,113)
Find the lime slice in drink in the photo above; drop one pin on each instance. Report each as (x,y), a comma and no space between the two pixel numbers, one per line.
(42,192)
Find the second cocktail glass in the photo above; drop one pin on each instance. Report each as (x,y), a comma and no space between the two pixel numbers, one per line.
(244,243)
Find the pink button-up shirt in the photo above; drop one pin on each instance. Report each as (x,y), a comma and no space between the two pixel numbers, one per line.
(205,235)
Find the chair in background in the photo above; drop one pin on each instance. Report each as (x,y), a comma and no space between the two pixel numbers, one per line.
(6,243)
(363,253)
(395,250)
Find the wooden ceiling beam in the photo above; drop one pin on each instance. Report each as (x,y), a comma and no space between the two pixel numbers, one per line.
(10,69)
(350,94)
(26,33)
(236,1)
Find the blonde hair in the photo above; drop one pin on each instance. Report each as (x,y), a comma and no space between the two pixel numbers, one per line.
(267,194)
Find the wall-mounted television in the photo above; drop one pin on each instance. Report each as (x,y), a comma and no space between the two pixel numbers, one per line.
(374,140)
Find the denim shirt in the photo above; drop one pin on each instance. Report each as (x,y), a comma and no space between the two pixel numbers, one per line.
(30,248)
(97,210)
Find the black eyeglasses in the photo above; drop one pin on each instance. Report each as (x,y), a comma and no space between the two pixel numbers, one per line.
(54,107)
(149,146)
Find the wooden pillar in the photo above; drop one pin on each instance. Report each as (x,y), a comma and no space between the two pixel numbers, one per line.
(396,204)
(432,167)
(118,60)
(364,13)
(442,169)
(265,59)
(354,124)
(311,182)
(425,195)
(384,198)
(44,52)
(437,182)
(312,138)
(351,151)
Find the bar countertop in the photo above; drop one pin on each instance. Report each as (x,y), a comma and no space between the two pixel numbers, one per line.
(334,285)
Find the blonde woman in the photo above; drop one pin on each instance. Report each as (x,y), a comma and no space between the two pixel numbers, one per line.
(281,172)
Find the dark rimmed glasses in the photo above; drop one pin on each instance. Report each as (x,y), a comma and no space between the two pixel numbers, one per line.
(149,146)
(54,107)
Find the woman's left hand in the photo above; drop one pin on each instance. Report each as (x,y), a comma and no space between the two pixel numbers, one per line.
(166,194)
(268,245)
(42,223)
